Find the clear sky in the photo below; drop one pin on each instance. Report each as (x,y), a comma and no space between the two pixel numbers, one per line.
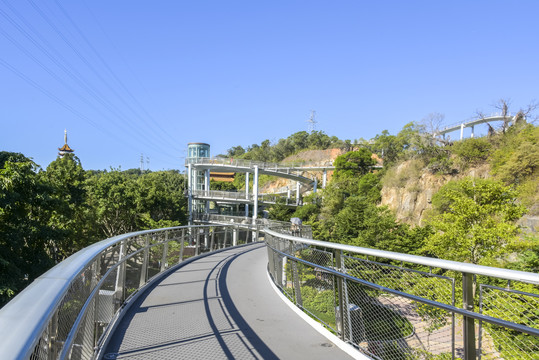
(131,77)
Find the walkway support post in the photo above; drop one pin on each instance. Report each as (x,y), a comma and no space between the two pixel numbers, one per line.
(324,178)
(461,131)
(182,244)
(190,192)
(315,185)
(340,294)
(472,131)
(207,188)
(297,192)
(165,252)
(468,322)
(197,245)
(247,193)
(255,193)
(121,275)
(145,257)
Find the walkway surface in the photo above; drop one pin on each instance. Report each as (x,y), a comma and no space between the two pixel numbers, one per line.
(218,307)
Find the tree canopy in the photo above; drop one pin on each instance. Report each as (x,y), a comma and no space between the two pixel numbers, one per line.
(475,222)
(45,216)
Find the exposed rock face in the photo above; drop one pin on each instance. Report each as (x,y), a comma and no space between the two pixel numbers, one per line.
(529,224)
(307,157)
(410,200)
(409,197)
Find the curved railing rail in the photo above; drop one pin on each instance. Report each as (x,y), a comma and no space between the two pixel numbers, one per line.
(241,197)
(248,165)
(298,166)
(389,305)
(396,306)
(66,311)
(460,125)
(259,224)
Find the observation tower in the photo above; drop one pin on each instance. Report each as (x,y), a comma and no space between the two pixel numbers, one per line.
(197,179)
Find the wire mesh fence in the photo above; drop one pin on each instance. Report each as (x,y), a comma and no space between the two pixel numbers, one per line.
(390,309)
(94,296)
(511,305)
(387,305)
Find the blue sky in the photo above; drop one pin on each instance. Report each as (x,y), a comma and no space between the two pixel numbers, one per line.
(132,77)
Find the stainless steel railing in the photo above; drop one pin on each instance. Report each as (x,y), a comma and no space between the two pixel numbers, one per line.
(268,168)
(223,195)
(241,196)
(389,305)
(67,311)
(398,306)
(259,224)
(251,163)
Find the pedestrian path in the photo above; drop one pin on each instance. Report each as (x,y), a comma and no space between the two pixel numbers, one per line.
(218,307)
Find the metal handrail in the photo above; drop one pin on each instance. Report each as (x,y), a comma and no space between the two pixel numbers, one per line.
(477,316)
(466,124)
(249,165)
(25,329)
(366,292)
(461,267)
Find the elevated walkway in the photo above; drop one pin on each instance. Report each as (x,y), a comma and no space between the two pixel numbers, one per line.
(235,197)
(218,307)
(470,124)
(240,165)
(203,291)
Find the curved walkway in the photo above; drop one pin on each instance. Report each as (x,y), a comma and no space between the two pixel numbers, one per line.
(217,307)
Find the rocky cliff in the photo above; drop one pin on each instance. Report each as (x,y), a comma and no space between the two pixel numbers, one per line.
(408,189)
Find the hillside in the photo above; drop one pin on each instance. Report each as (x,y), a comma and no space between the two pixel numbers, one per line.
(411,179)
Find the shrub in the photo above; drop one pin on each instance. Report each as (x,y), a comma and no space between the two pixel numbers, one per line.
(472,151)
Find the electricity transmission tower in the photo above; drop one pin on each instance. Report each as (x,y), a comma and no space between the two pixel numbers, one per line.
(312,122)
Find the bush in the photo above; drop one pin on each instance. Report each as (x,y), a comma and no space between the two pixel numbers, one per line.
(472,151)
(517,157)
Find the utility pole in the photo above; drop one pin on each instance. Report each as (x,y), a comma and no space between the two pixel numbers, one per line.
(141,162)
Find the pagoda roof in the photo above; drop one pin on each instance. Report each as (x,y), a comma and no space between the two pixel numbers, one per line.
(66,148)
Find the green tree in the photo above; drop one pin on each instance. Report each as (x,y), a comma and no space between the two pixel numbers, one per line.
(235,151)
(279,211)
(475,223)
(160,200)
(387,147)
(25,234)
(353,163)
(222,185)
(112,195)
(71,215)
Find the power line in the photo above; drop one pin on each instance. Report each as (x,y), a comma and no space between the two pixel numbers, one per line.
(156,124)
(73,73)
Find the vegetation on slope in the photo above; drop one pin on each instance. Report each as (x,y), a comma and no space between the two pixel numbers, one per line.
(472,219)
(293,144)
